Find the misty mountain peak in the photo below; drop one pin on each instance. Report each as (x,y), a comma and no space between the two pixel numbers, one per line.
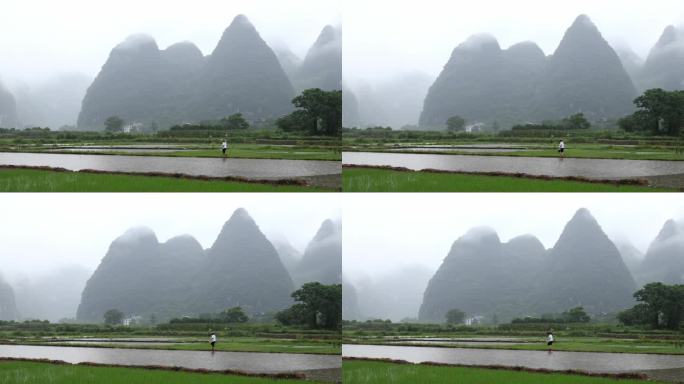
(183,241)
(583,219)
(669,229)
(328,34)
(138,234)
(529,47)
(241,214)
(527,241)
(480,42)
(241,22)
(482,234)
(183,49)
(668,36)
(138,42)
(327,229)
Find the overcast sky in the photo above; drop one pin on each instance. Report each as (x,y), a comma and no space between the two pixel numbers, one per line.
(385,37)
(41,232)
(384,232)
(42,37)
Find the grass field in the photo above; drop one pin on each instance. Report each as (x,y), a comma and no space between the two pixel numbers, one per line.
(29,180)
(242,151)
(230,344)
(30,372)
(362,372)
(382,180)
(572,344)
(582,150)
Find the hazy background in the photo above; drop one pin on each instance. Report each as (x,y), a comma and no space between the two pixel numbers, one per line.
(42,234)
(42,38)
(394,49)
(387,233)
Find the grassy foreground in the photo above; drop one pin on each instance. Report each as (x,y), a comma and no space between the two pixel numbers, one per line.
(30,180)
(12,372)
(362,372)
(383,180)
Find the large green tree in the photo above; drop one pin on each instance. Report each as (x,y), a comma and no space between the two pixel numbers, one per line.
(661,306)
(660,112)
(319,112)
(455,123)
(576,121)
(114,124)
(234,122)
(455,316)
(234,315)
(113,317)
(575,315)
(319,306)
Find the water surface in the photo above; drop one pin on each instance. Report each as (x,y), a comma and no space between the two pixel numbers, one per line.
(212,167)
(557,361)
(538,166)
(248,362)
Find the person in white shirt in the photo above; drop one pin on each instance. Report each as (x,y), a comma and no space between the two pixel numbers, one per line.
(561,148)
(213,341)
(549,341)
(224,147)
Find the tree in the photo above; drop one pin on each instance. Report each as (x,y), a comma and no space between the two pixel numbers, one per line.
(455,316)
(575,315)
(320,306)
(661,306)
(296,121)
(576,121)
(319,112)
(234,315)
(660,112)
(234,121)
(113,317)
(455,123)
(637,315)
(114,124)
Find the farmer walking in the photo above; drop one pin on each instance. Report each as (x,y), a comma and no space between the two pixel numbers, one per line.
(549,341)
(561,148)
(213,342)
(224,146)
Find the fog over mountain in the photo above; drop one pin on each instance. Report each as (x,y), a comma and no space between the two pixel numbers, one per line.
(664,66)
(322,66)
(322,259)
(664,259)
(483,83)
(502,85)
(8,109)
(54,296)
(37,60)
(394,102)
(516,256)
(482,276)
(141,83)
(8,306)
(53,103)
(167,255)
(178,277)
(396,295)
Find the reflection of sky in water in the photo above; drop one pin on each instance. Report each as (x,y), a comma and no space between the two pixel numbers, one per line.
(250,362)
(214,167)
(586,361)
(591,168)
